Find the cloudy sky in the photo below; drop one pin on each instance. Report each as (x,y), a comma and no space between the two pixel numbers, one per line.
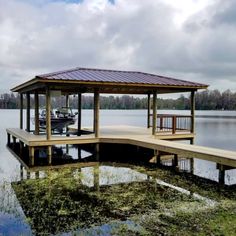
(187,39)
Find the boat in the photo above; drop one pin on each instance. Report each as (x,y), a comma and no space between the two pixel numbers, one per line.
(62,117)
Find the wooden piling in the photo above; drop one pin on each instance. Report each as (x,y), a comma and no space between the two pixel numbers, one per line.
(31,156)
(221,175)
(49,155)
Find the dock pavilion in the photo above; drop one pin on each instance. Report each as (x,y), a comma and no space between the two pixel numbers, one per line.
(78,81)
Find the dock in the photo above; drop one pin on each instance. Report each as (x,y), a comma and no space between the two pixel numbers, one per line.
(130,135)
(160,135)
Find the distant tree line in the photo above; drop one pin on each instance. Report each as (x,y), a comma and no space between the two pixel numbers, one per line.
(205,100)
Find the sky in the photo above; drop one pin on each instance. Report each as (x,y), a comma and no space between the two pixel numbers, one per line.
(186,39)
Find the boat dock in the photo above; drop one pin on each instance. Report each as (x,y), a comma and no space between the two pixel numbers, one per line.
(136,136)
(160,134)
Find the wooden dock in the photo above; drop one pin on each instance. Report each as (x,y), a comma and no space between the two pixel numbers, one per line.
(127,135)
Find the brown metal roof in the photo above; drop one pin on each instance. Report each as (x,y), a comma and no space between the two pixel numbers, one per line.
(107,81)
(116,76)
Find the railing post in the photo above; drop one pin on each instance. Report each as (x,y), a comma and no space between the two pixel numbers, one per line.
(173,124)
(161,123)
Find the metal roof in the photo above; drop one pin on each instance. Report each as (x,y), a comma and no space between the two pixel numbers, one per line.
(116,76)
(107,81)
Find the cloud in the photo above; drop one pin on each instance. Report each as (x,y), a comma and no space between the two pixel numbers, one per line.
(44,36)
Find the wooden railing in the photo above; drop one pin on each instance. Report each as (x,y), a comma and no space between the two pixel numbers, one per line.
(173,123)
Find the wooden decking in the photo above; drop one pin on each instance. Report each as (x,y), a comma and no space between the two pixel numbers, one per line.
(133,136)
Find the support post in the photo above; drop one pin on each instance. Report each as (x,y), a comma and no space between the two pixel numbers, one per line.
(221,174)
(158,157)
(96,177)
(21,148)
(28,112)
(49,155)
(36,112)
(14,142)
(21,111)
(21,173)
(79,114)
(192,111)
(175,160)
(154,113)
(48,114)
(67,101)
(8,139)
(31,156)
(96,113)
(148,110)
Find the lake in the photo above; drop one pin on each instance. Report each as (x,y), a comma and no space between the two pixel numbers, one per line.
(213,129)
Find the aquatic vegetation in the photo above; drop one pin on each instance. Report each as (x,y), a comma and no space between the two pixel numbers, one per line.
(60,202)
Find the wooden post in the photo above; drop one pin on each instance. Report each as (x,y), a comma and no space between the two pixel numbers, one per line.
(28,112)
(67,101)
(31,156)
(21,111)
(96,113)
(48,114)
(221,174)
(79,114)
(14,142)
(158,157)
(175,160)
(154,113)
(36,112)
(21,148)
(96,177)
(8,139)
(148,110)
(49,155)
(192,111)
(21,172)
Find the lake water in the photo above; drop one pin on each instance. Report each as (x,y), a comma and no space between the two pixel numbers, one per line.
(217,130)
